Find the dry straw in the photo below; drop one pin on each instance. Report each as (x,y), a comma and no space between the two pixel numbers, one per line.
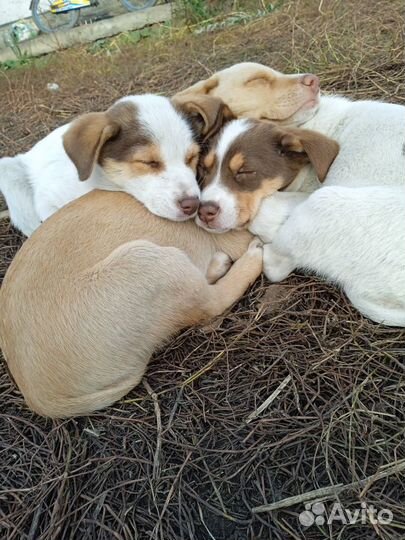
(177,459)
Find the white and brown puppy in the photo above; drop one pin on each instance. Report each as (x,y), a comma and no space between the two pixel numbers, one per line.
(143,145)
(371,134)
(252,160)
(352,236)
(99,287)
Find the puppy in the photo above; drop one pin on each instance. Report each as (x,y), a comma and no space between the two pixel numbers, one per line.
(371,134)
(354,237)
(143,145)
(99,287)
(252,160)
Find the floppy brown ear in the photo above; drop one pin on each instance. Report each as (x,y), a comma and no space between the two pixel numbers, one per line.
(85,138)
(206,114)
(321,150)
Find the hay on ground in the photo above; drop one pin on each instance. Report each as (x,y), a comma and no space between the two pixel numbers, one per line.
(184,456)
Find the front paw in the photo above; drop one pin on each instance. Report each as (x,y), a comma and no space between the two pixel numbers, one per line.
(218,267)
(254,254)
(276,266)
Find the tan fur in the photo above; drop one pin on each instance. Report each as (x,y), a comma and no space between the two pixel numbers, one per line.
(255,91)
(192,156)
(236,162)
(99,287)
(249,201)
(210,159)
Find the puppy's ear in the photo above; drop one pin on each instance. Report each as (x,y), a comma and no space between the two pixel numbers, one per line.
(321,150)
(206,114)
(85,138)
(202,87)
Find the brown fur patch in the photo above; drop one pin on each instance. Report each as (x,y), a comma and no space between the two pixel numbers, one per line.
(131,136)
(83,141)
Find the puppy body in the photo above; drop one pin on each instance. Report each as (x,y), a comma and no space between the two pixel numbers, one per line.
(354,237)
(99,287)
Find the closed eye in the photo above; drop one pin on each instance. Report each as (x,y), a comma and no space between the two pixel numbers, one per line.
(152,164)
(242,175)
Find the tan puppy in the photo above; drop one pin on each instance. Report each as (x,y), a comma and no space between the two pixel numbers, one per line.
(97,289)
(256,91)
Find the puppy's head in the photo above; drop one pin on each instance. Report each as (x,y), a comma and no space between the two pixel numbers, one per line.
(252,160)
(146,146)
(256,91)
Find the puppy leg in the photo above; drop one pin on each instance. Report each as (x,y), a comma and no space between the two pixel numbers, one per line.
(276,266)
(226,291)
(218,267)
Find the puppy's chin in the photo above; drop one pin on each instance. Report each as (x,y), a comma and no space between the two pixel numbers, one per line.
(305,113)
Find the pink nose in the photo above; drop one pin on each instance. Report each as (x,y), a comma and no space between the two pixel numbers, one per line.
(208,212)
(189,205)
(312,81)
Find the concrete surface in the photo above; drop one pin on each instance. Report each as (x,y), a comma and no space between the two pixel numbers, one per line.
(46,43)
(14,10)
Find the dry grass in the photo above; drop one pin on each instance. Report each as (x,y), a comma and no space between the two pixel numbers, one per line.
(177,458)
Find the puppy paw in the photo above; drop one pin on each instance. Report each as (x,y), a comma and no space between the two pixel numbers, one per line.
(218,267)
(254,257)
(255,244)
(276,266)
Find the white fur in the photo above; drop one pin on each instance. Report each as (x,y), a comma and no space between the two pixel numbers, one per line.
(371,136)
(354,237)
(50,179)
(216,191)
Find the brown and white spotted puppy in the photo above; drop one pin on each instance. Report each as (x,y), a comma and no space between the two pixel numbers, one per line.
(146,146)
(252,160)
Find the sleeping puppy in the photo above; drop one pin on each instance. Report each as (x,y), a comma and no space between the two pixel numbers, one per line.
(352,236)
(371,134)
(252,160)
(146,146)
(99,287)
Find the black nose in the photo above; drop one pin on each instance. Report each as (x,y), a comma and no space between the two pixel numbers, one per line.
(189,205)
(208,211)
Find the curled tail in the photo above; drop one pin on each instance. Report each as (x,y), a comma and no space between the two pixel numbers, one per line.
(18,193)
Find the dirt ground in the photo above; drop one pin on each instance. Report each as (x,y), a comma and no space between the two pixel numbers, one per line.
(177,459)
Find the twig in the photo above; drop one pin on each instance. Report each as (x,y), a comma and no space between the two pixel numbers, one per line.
(156,460)
(269,400)
(331,492)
